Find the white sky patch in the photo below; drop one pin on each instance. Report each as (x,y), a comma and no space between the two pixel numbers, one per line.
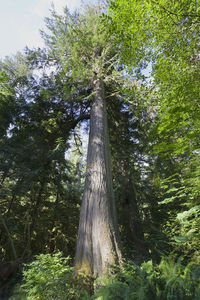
(71,4)
(42,7)
(21,20)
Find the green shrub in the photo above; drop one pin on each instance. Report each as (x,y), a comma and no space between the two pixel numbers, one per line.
(49,277)
(169,280)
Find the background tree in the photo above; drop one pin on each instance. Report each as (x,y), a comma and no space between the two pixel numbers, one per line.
(36,179)
(166,37)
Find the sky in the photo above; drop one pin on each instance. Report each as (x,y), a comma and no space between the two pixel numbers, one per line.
(21,20)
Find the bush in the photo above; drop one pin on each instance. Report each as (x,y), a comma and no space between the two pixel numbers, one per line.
(48,277)
(51,277)
(169,280)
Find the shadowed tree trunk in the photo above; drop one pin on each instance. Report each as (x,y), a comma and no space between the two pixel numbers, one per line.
(97,244)
(135,223)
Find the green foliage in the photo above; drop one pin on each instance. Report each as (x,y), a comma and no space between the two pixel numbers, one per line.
(181,200)
(80,43)
(38,183)
(166,35)
(4,88)
(154,133)
(46,277)
(7,104)
(49,277)
(170,280)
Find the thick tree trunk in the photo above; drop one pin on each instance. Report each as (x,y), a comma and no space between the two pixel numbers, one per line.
(97,244)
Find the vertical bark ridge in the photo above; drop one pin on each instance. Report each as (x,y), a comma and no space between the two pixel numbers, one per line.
(97,244)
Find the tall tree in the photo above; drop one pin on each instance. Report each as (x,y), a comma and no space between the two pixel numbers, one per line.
(88,58)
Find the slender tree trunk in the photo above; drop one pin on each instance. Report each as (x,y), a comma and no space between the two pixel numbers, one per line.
(135,223)
(10,238)
(97,244)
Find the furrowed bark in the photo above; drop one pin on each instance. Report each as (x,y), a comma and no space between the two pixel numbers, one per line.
(97,244)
